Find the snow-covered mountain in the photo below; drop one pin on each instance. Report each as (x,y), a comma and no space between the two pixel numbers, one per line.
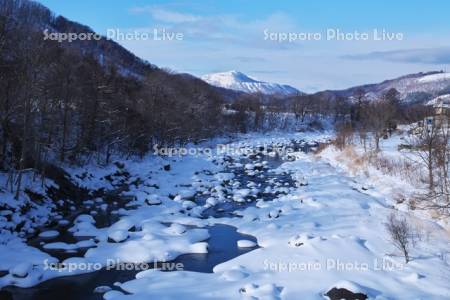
(238,81)
(431,83)
(413,88)
(441,100)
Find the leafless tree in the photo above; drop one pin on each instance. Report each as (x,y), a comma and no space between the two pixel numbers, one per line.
(424,146)
(400,233)
(432,148)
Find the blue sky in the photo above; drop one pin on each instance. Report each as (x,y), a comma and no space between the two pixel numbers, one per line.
(233,35)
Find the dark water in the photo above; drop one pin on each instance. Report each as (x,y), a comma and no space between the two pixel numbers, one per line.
(222,242)
(103,218)
(222,247)
(262,180)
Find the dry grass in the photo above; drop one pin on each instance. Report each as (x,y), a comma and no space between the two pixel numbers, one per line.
(396,167)
(354,161)
(322,146)
(362,163)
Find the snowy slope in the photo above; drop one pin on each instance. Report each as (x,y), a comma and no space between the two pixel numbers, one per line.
(431,84)
(435,77)
(444,99)
(238,81)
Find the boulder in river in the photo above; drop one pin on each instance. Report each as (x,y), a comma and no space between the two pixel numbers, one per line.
(118,236)
(342,293)
(102,289)
(246,244)
(21,270)
(49,234)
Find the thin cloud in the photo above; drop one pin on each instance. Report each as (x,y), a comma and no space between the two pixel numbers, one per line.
(435,56)
(229,29)
(166,15)
(267,71)
(249,59)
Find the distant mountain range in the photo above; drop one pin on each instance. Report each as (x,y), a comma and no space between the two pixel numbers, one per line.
(238,81)
(413,88)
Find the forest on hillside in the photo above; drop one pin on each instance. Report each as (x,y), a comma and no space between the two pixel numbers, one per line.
(71,102)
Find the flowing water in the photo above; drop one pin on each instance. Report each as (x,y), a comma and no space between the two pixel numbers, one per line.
(222,244)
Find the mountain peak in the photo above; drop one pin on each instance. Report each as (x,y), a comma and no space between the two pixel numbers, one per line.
(228,77)
(236,80)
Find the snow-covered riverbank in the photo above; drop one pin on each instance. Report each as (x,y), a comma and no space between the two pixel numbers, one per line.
(328,233)
(325,231)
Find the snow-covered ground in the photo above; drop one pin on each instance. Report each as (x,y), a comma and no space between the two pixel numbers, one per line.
(325,232)
(435,77)
(23,212)
(329,233)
